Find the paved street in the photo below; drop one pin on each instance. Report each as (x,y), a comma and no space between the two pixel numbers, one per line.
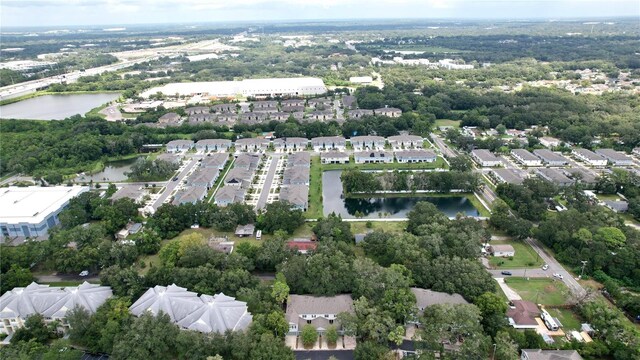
(264,195)
(444,148)
(172,185)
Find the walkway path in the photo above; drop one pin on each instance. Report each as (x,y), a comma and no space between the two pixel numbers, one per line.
(509,292)
(266,188)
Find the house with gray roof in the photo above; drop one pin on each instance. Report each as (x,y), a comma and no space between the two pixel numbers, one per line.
(201,118)
(179,145)
(215,161)
(296,175)
(388,111)
(52,302)
(615,157)
(509,176)
(618,206)
(247,161)
(293,109)
(279,116)
(298,115)
(133,192)
(589,157)
(292,102)
(299,159)
(373,157)
(320,103)
(204,313)
(245,230)
(323,143)
(334,157)
(169,119)
(319,311)
(238,177)
(264,104)
(415,156)
(170,158)
(550,158)
(525,157)
(367,142)
(196,110)
(406,142)
(321,115)
(426,298)
(204,177)
(229,194)
(252,118)
(538,354)
(290,144)
(191,194)
(227,118)
(485,158)
(224,108)
(214,145)
(582,176)
(349,102)
(266,110)
(358,113)
(296,195)
(554,176)
(252,144)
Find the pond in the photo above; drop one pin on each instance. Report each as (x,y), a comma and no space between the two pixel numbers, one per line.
(388,207)
(113,171)
(55,107)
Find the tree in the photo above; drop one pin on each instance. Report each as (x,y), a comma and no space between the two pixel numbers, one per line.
(270,348)
(506,349)
(35,328)
(280,215)
(611,236)
(333,228)
(424,213)
(369,350)
(280,291)
(331,335)
(309,335)
(461,163)
(15,277)
(150,337)
(492,308)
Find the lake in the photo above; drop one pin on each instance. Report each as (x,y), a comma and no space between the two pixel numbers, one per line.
(113,171)
(55,107)
(389,207)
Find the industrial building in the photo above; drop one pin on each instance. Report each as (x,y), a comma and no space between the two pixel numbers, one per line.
(29,212)
(526,158)
(258,88)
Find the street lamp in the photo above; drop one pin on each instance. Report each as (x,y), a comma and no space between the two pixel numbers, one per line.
(584,263)
(494,352)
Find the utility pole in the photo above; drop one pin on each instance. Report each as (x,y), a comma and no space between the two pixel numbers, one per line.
(494,352)
(584,263)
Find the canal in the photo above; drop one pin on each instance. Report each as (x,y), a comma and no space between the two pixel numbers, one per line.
(387,207)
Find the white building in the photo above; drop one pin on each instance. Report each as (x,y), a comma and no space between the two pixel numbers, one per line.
(361,79)
(258,88)
(615,157)
(549,142)
(485,158)
(334,157)
(525,157)
(179,145)
(502,250)
(589,157)
(29,212)
(204,313)
(52,303)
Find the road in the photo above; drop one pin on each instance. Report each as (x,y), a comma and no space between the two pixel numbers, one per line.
(66,277)
(264,194)
(172,185)
(444,148)
(112,113)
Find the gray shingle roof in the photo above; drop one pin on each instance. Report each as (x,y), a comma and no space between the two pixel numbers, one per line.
(305,304)
(426,298)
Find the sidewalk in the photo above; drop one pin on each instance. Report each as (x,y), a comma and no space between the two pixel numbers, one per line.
(509,292)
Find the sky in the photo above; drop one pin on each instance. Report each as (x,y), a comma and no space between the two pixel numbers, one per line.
(111,12)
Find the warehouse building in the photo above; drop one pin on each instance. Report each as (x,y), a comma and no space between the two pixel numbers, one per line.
(29,212)
(257,88)
(615,157)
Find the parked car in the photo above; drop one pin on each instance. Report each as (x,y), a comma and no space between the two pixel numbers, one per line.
(84,273)
(507,273)
(175,178)
(545,267)
(558,276)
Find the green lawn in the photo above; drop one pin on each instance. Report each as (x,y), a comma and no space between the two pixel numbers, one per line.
(315,209)
(443,122)
(568,318)
(360,227)
(439,163)
(540,291)
(525,256)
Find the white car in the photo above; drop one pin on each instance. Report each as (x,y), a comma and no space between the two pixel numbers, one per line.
(84,273)
(558,276)
(545,267)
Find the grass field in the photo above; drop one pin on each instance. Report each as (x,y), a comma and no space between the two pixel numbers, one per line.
(540,291)
(444,122)
(360,227)
(569,320)
(525,256)
(315,209)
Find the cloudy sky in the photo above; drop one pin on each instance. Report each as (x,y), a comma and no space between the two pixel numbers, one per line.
(105,12)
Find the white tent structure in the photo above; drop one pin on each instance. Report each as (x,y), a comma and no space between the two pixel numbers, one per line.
(52,303)
(204,313)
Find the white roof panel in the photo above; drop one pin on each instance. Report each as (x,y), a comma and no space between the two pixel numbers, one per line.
(33,204)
